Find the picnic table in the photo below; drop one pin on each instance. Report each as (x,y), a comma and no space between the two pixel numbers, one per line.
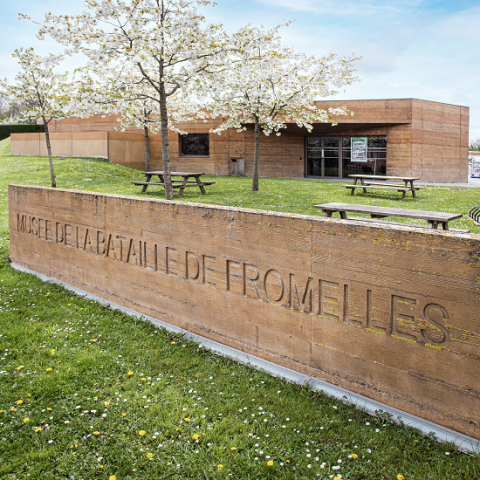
(180,184)
(434,219)
(379,182)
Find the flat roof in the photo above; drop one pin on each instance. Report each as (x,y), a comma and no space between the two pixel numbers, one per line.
(386,99)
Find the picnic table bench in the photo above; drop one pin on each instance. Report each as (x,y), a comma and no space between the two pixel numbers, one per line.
(434,219)
(378,182)
(180,184)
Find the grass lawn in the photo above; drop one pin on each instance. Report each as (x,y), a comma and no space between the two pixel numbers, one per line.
(90,393)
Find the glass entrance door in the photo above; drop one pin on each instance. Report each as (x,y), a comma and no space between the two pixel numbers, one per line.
(323,157)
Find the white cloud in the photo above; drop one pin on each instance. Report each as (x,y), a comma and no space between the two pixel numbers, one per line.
(346,8)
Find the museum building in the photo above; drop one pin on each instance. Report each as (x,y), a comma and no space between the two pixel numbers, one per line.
(401,137)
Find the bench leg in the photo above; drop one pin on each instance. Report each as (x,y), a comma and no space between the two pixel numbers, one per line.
(403,195)
(343,215)
(411,188)
(144,189)
(182,188)
(362,182)
(200,186)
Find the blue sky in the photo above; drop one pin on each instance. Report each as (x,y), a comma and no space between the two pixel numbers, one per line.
(428,49)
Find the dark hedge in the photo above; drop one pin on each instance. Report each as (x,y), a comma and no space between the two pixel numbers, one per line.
(6,130)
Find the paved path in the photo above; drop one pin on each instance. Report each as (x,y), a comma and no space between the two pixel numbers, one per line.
(472,182)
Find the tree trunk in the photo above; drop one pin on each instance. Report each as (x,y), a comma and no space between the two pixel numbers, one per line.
(256,154)
(165,145)
(49,150)
(147,149)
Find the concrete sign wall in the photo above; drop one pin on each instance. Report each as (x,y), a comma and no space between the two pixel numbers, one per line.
(391,313)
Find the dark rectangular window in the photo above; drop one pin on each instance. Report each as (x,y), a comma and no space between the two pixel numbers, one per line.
(376,163)
(195,144)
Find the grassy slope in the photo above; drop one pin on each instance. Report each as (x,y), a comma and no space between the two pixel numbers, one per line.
(65,366)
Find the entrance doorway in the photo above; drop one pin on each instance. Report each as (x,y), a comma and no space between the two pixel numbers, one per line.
(323,157)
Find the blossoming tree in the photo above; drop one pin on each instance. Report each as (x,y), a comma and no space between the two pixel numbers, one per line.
(117,92)
(44,94)
(166,42)
(270,86)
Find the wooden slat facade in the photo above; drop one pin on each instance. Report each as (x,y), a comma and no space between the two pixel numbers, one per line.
(424,138)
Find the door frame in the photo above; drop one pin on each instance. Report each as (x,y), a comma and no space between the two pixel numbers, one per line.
(340,157)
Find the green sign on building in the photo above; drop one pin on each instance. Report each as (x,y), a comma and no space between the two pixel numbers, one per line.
(359,149)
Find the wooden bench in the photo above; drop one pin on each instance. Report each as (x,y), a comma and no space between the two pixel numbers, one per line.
(434,219)
(367,183)
(180,184)
(474,214)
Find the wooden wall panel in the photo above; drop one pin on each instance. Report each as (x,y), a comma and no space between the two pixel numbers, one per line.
(90,144)
(60,143)
(127,149)
(385,311)
(439,140)
(25,144)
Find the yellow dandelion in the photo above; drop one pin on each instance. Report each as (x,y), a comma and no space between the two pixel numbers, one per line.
(2,411)
(93,340)
(19,402)
(187,419)
(270,463)
(112,477)
(220,466)
(26,420)
(48,369)
(20,367)
(143,379)
(149,455)
(142,433)
(107,403)
(38,430)
(233,448)
(130,373)
(52,351)
(354,455)
(124,414)
(96,433)
(195,436)
(400,477)
(173,343)
(49,409)
(168,464)
(13,409)
(29,395)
